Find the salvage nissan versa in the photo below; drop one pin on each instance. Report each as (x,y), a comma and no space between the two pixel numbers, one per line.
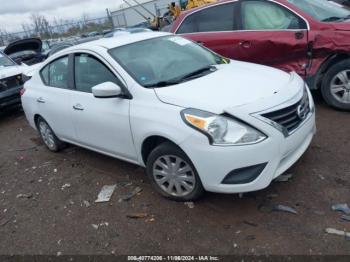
(195,120)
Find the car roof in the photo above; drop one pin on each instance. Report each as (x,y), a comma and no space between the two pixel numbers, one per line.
(121,40)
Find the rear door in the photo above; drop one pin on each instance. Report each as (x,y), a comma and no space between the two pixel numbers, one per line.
(214,27)
(54,97)
(273,35)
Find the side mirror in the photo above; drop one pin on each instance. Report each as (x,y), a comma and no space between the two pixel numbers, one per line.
(107,90)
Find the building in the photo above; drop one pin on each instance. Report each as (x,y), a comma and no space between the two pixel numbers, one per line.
(130,16)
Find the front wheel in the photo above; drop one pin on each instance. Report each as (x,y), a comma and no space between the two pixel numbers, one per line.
(173,174)
(336,86)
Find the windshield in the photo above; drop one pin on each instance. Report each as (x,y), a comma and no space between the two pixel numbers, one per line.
(326,11)
(165,60)
(5,61)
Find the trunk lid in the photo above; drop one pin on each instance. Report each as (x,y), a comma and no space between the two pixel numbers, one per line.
(29,44)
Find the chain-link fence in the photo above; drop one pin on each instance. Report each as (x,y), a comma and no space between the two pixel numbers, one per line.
(56,30)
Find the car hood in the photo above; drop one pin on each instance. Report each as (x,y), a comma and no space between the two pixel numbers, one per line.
(10,71)
(234,84)
(33,44)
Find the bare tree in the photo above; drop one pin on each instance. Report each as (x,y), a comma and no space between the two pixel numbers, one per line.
(26,29)
(41,25)
(4,37)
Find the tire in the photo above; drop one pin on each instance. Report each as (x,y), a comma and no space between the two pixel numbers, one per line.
(336,86)
(48,136)
(187,180)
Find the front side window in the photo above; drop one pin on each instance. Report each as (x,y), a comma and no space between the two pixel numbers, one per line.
(326,11)
(215,18)
(164,60)
(55,74)
(260,15)
(89,72)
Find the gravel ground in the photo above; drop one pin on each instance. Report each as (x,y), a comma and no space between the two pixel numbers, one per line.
(47,202)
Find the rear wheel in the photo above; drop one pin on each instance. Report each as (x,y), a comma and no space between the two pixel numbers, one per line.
(173,174)
(336,86)
(48,136)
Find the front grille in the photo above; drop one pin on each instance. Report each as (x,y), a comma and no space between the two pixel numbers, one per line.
(10,82)
(290,118)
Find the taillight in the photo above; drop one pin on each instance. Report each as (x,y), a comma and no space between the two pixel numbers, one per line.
(21,91)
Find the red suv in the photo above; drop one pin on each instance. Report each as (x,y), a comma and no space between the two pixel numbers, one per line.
(310,37)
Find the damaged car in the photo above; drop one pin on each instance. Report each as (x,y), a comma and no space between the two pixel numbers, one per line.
(11,82)
(310,37)
(195,120)
(27,51)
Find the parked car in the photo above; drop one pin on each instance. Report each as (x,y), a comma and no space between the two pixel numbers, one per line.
(55,48)
(106,31)
(92,34)
(119,31)
(11,81)
(195,120)
(310,37)
(142,25)
(28,51)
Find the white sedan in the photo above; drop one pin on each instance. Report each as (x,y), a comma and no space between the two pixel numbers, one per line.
(195,120)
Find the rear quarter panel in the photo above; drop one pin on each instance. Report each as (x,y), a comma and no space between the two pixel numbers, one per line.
(29,104)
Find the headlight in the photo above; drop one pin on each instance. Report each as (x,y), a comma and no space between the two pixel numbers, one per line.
(221,130)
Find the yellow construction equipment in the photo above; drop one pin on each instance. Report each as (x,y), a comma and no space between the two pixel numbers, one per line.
(174,11)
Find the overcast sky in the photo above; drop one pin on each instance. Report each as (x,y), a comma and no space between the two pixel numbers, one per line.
(15,12)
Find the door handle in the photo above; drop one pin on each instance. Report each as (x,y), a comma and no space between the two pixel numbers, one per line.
(245,44)
(40,100)
(299,35)
(78,107)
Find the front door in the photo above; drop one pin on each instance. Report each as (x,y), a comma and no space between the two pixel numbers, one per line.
(272,35)
(101,123)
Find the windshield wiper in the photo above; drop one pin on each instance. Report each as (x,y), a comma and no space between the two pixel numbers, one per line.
(162,83)
(183,78)
(346,17)
(332,18)
(198,72)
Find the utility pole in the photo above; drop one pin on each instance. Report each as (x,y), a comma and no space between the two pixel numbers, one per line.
(109,16)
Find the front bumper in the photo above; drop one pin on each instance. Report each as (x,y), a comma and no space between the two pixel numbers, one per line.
(10,97)
(277,152)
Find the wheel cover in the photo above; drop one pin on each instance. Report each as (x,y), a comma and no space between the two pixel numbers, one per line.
(174,175)
(340,87)
(47,135)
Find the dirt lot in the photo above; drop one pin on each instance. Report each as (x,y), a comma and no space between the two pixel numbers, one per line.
(52,216)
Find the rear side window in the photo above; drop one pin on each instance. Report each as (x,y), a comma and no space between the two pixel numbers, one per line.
(89,72)
(261,15)
(215,18)
(55,74)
